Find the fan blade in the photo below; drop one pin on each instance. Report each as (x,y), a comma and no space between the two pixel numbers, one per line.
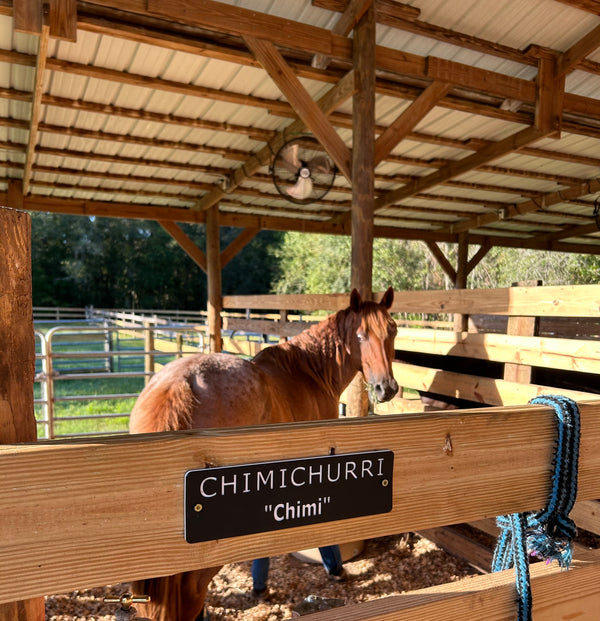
(289,158)
(320,164)
(302,189)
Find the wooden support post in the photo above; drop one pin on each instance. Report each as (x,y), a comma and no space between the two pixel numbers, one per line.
(521,326)
(461,321)
(148,347)
(17,363)
(363,154)
(363,186)
(213,260)
(283,317)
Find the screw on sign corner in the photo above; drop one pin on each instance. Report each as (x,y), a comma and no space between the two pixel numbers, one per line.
(126,612)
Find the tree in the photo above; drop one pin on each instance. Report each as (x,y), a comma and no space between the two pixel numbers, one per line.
(321,264)
(110,263)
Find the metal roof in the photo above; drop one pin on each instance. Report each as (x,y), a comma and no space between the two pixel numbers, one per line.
(155,110)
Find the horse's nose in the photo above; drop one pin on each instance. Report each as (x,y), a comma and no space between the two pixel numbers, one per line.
(386,389)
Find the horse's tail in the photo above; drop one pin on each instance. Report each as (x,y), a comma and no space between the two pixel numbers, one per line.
(175,598)
(165,404)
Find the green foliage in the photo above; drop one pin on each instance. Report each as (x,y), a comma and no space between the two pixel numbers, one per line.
(322,264)
(110,263)
(504,266)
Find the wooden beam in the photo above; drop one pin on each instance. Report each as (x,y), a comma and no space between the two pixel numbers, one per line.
(478,256)
(556,595)
(27,16)
(331,100)
(213,258)
(461,320)
(36,105)
(244,238)
(197,256)
(588,187)
(521,326)
(408,120)
(486,154)
(563,301)
(494,392)
(17,368)
(224,18)
(548,352)
(169,86)
(304,106)
(344,26)
(442,260)
(550,94)
(569,59)
(363,184)
(362,179)
(63,19)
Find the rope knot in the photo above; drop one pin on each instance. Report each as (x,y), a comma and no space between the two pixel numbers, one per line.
(549,533)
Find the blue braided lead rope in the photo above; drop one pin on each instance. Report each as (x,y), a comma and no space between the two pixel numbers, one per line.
(547,533)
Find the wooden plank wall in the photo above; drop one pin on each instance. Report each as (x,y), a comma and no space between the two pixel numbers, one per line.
(85,512)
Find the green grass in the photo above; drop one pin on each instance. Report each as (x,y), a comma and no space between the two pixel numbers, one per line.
(80,409)
(85,414)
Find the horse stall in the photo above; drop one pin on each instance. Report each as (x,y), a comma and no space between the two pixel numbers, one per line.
(88,512)
(464,134)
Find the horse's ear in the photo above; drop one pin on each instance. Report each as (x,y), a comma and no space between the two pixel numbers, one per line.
(388,298)
(355,300)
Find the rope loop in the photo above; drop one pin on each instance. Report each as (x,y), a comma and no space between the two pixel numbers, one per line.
(548,533)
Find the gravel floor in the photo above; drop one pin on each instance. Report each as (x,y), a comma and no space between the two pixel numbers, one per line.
(387,566)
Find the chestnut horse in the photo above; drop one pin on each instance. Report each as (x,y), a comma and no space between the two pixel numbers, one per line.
(299,380)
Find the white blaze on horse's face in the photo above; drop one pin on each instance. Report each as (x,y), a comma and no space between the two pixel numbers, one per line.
(375,336)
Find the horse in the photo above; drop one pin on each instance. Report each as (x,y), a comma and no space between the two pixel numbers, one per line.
(301,379)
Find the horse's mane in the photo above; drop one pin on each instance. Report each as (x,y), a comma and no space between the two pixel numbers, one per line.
(317,352)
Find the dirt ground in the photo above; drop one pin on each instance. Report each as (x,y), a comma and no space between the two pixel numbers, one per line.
(386,566)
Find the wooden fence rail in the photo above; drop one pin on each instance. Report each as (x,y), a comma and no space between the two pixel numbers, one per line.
(85,513)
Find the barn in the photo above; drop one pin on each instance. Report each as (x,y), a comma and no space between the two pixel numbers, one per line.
(472,124)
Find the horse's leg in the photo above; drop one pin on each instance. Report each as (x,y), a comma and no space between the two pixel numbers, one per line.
(175,598)
(194,588)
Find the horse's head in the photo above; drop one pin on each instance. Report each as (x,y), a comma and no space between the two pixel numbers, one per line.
(372,344)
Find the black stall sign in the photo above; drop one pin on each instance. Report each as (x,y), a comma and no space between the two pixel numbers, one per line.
(241,500)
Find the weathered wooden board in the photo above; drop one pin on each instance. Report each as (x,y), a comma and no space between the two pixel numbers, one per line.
(564,301)
(475,388)
(554,353)
(92,512)
(557,595)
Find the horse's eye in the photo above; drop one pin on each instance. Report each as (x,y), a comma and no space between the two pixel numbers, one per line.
(361,337)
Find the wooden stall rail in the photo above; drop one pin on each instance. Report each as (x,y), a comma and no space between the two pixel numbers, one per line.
(83,513)
(568,354)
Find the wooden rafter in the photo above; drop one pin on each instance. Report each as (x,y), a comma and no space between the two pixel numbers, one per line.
(487,154)
(219,33)
(407,121)
(442,260)
(585,188)
(175,231)
(151,212)
(344,26)
(577,52)
(246,23)
(243,239)
(36,105)
(305,107)
(333,98)
(479,80)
